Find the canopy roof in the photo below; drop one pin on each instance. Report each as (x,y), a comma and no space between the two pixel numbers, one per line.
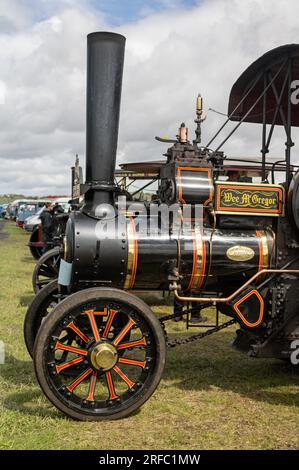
(139,170)
(262,71)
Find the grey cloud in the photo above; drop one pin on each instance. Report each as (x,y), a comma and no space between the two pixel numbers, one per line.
(170,57)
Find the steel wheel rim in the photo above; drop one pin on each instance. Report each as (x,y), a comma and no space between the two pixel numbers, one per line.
(47,271)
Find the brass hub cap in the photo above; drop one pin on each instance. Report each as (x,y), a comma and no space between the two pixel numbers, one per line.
(104,356)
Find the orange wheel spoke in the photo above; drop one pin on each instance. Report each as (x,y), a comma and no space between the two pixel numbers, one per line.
(79,380)
(59,345)
(93,324)
(132,344)
(124,377)
(111,316)
(123,332)
(69,364)
(92,386)
(78,332)
(110,384)
(132,362)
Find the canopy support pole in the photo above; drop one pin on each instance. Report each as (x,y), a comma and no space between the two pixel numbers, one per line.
(289,142)
(251,108)
(264,132)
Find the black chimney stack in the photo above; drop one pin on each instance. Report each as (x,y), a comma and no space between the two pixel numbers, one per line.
(105,59)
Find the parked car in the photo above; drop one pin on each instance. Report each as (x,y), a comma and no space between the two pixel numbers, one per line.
(3,208)
(13,207)
(28,209)
(33,221)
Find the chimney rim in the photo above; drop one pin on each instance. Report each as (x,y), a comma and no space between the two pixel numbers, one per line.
(106,35)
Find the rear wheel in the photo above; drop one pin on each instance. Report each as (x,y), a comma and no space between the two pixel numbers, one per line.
(46,269)
(43,304)
(100,355)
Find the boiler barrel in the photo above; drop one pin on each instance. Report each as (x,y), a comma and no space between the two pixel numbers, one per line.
(215,260)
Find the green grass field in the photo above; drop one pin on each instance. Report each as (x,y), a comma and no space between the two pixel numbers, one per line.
(211,397)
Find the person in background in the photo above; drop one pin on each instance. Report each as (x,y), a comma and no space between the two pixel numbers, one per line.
(47,226)
(238,176)
(57,209)
(58,222)
(233,175)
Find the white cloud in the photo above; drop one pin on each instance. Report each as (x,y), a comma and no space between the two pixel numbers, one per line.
(14,15)
(170,57)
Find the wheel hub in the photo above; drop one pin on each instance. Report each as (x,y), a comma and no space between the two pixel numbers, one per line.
(104,356)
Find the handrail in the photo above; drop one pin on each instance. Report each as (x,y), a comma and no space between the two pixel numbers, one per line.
(215,300)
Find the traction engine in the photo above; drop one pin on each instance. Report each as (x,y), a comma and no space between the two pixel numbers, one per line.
(211,237)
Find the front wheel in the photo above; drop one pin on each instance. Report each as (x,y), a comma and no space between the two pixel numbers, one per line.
(100,354)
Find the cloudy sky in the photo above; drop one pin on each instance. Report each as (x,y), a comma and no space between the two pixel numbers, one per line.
(175,49)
